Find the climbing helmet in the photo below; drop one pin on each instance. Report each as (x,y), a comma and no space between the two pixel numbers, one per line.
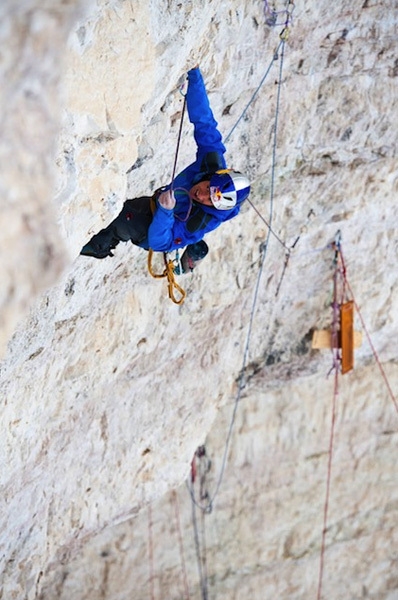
(228,188)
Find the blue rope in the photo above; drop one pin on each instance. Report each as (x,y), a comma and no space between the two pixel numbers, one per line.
(260,272)
(208,508)
(275,56)
(282,35)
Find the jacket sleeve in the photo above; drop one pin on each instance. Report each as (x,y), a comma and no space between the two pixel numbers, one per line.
(207,136)
(160,232)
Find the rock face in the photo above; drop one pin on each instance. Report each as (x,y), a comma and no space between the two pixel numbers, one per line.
(108,389)
(33,38)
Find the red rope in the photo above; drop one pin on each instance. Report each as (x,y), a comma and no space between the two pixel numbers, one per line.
(328,481)
(204,553)
(150,550)
(383,373)
(340,270)
(180,541)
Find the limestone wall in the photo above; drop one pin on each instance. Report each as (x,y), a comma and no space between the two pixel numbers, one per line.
(107,388)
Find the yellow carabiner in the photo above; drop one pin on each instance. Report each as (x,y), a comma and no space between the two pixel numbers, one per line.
(284,34)
(169,273)
(174,285)
(150,268)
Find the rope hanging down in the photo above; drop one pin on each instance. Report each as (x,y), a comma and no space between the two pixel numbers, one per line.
(283,37)
(376,357)
(328,482)
(169,270)
(206,502)
(341,289)
(208,505)
(170,265)
(181,545)
(339,296)
(200,467)
(150,553)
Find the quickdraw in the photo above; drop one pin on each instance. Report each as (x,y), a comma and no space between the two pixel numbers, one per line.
(169,273)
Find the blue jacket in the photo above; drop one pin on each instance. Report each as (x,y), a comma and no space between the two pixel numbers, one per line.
(171,229)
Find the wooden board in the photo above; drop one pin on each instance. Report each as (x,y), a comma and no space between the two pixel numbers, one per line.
(322,339)
(347,336)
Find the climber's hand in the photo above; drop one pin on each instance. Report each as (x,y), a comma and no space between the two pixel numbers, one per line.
(167,200)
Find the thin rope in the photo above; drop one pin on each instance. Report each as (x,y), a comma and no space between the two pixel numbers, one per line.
(336,316)
(377,359)
(274,57)
(178,142)
(202,583)
(268,225)
(289,17)
(209,506)
(181,544)
(184,219)
(328,481)
(278,100)
(346,285)
(204,554)
(285,265)
(169,265)
(339,272)
(150,545)
(273,15)
(340,276)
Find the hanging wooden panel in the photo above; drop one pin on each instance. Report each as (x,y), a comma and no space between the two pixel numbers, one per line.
(347,336)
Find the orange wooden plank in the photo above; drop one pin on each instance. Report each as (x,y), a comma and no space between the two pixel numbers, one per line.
(347,336)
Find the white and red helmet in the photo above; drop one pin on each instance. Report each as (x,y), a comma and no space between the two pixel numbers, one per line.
(228,188)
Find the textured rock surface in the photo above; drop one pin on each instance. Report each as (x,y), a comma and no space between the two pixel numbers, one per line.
(33,37)
(107,388)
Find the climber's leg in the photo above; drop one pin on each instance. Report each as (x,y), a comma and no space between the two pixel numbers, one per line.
(131,224)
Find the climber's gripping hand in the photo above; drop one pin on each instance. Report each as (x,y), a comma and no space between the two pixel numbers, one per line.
(167,200)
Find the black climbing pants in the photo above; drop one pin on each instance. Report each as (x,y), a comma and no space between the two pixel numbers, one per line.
(133,221)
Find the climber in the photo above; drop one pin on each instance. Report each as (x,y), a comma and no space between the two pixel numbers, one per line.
(200,198)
